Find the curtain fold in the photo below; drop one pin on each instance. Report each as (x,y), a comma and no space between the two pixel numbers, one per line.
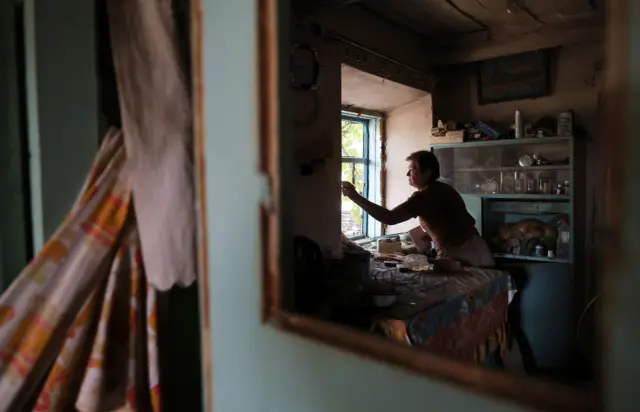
(156,120)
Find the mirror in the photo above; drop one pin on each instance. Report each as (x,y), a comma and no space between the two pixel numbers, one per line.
(463,244)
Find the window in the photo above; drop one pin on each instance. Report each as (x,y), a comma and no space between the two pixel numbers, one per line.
(355,169)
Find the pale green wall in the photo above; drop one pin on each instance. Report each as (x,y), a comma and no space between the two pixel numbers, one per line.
(13,243)
(622,317)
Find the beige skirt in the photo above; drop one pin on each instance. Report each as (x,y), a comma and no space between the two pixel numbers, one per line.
(473,252)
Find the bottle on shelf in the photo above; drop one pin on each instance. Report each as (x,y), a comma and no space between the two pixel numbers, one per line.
(531,185)
(563,247)
(519,126)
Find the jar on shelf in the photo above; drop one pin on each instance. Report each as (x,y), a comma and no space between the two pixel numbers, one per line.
(544,186)
(507,183)
(520,183)
(531,185)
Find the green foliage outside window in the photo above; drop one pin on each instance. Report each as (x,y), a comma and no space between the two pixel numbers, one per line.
(353,146)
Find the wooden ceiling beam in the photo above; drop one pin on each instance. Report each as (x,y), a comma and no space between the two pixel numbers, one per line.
(376,34)
(474,47)
(465,14)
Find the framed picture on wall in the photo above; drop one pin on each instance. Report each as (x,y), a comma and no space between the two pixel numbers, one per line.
(516,77)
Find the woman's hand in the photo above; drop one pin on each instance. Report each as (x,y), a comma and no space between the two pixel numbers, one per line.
(348,190)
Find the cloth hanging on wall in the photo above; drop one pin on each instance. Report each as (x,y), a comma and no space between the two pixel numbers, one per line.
(156,120)
(78,326)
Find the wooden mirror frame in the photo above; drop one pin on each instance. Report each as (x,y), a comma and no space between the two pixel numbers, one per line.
(273,23)
(197,81)
(273,20)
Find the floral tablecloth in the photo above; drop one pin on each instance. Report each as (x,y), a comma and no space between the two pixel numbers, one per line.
(462,314)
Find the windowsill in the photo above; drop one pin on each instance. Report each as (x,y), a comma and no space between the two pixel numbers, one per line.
(361,240)
(364,239)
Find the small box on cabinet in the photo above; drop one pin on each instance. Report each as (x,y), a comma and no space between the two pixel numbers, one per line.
(452,136)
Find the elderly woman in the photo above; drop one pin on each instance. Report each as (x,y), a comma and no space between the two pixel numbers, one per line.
(440,209)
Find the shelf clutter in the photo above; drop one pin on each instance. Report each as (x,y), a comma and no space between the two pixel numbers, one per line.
(516,181)
(453,132)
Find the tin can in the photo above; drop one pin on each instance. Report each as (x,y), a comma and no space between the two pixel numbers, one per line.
(565,124)
(539,250)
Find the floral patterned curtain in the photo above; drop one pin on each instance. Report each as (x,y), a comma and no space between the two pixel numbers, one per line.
(78,326)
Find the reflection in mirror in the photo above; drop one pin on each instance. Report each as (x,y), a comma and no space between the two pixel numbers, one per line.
(425,218)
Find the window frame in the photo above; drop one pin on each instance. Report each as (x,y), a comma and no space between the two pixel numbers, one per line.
(365,160)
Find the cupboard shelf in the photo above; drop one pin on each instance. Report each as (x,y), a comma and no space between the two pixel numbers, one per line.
(530,258)
(512,169)
(503,142)
(527,196)
(497,191)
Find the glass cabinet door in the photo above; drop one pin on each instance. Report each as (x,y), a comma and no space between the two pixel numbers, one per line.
(536,167)
(518,191)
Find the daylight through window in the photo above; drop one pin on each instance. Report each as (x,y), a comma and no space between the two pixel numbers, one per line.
(355,169)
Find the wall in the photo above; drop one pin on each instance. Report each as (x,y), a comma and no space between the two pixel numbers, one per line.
(62,122)
(574,86)
(317,135)
(13,213)
(316,115)
(62,91)
(622,358)
(378,34)
(258,368)
(408,129)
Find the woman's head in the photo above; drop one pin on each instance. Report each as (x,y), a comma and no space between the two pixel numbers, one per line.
(423,168)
